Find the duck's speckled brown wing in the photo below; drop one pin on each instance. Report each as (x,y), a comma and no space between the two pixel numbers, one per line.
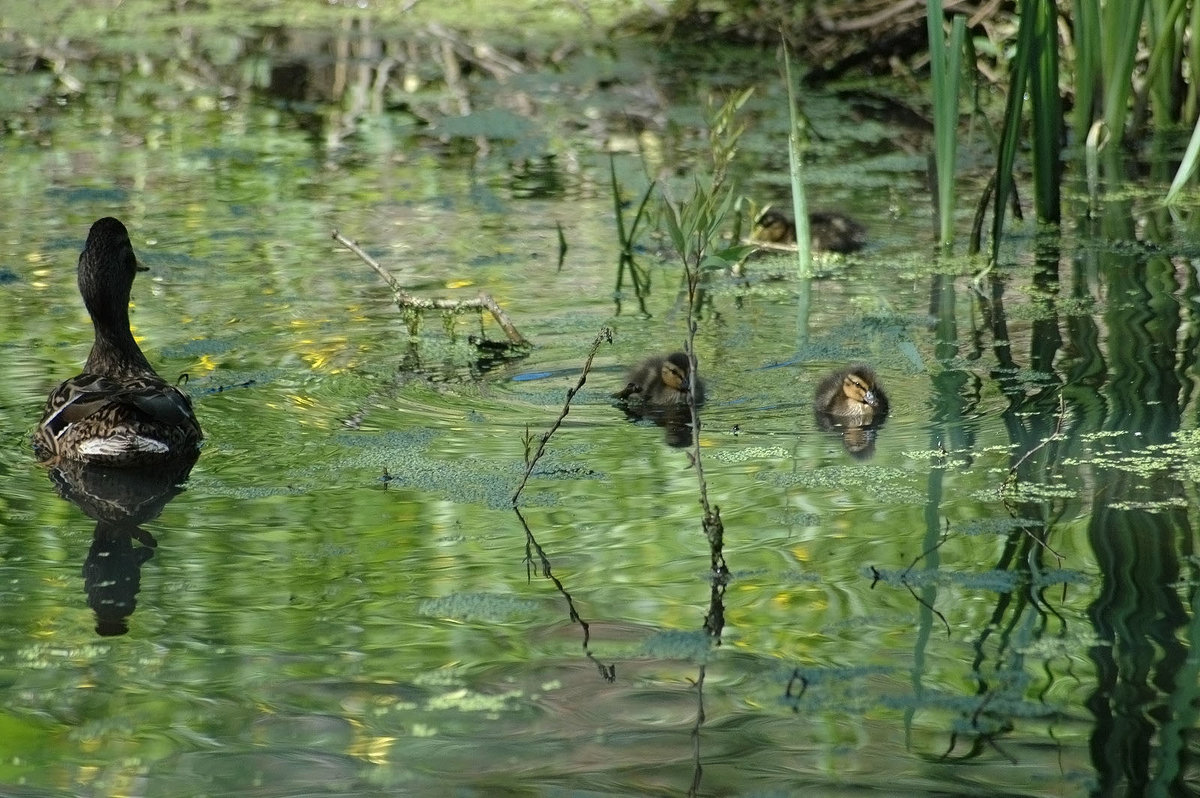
(93,418)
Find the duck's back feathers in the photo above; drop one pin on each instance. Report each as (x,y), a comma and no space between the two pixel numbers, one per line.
(97,419)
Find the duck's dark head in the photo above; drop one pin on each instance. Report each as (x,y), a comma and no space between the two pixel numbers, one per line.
(106,270)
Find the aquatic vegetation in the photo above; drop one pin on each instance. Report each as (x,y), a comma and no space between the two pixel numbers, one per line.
(677,644)
(479,607)
(945,67)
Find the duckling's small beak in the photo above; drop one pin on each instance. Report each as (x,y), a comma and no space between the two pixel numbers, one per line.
(141,267)
(870,398)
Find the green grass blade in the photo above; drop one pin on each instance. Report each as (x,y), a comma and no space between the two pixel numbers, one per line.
(1046,112)
(623,239)
(796,173)
(1088,72)
(1011,132)
(1187,167)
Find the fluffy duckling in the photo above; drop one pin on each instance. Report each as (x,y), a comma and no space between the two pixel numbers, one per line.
(118,412)
(828,231)
(852,394)
(661,380)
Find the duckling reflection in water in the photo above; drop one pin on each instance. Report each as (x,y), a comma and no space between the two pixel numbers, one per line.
(828,231)
(852,403)
(657,390)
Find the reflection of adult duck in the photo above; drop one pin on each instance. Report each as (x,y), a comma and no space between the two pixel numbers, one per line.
(112,574)
(828,231)
(657,390)
(119,499)
(662,380)
(118,412)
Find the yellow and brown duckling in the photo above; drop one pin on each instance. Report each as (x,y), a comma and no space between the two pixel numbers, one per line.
(118,412)
(662,380)
(853,395)
(828,231)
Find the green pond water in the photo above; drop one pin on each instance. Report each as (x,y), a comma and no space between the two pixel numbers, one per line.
(1002,600)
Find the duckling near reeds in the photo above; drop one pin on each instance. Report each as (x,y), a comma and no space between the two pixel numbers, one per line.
(118,412)
(828,231)
(853,395)
(662,381)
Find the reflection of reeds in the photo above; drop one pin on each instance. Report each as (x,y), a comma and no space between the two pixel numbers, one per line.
(627,237)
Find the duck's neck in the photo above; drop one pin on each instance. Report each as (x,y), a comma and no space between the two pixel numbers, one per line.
(114,352)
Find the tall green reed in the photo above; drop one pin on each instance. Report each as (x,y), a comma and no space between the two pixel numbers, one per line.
(1034,69)
(945,66)
(797,142)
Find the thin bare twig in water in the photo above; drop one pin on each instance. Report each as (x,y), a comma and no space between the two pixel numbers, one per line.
(941,542)
(406,300)
(904,577)
(796,676)
(1011,479)
(605,334)
(927,606)
(714,528)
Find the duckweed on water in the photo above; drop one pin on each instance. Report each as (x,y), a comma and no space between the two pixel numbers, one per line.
(881,481)
(1059,576)
(469,701)
(677,644)
(991,581)
(995,526)
(478,607)
(749,453)
(403,459)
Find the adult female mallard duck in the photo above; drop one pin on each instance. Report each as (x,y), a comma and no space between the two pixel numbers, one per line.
(853,395)
(118,412)
(828,231)
(661,380)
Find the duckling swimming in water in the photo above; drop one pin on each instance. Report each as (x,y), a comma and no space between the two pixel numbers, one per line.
(853,395)
(118,412)
(828,231)
(661,380)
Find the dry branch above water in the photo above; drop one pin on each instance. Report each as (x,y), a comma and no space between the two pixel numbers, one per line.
(408,301)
